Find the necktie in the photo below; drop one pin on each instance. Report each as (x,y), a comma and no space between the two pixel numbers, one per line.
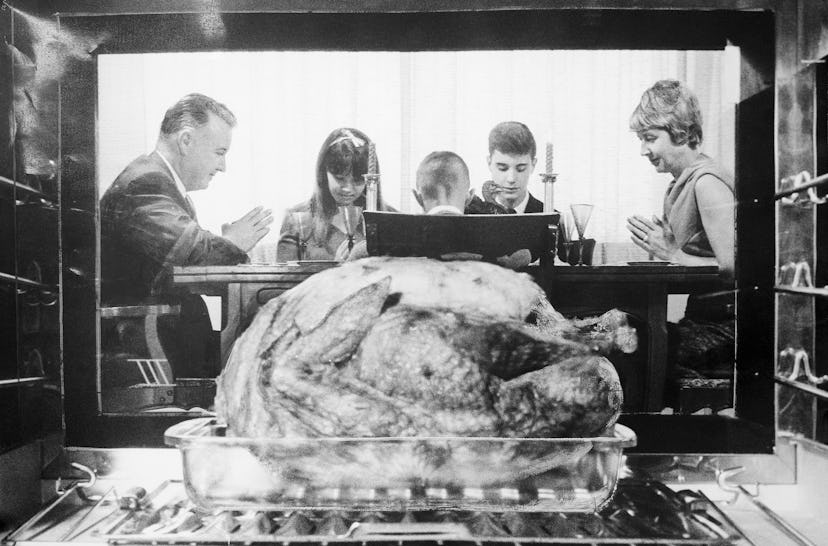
(191,205)
(510,210)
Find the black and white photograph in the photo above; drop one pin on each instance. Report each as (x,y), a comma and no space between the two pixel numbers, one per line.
(405,272)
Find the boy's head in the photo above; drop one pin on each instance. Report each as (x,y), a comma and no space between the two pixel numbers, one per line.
(442,179)
(511,160)
(512,138)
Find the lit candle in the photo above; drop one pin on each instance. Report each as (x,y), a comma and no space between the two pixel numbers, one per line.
(372,158)
(548,193)
(371,193)
(549,158)
(371,179)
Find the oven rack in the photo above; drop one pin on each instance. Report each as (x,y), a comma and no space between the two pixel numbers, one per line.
(799,386)
(24,189)
(802,290)
(800,182)
(641,512)
(804,387)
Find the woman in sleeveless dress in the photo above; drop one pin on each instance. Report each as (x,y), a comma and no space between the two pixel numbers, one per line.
(696,227)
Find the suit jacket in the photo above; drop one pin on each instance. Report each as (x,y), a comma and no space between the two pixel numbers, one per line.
(146,226)
(534,205)
(479,206)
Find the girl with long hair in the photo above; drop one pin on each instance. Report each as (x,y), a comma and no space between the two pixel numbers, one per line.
(317,229)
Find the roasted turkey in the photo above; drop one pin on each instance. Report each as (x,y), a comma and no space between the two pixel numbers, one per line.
(416,347)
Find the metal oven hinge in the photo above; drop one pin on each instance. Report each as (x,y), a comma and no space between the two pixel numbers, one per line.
(737,490)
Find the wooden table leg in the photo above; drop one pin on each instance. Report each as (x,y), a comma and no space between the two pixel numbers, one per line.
(231,311)
(657,346)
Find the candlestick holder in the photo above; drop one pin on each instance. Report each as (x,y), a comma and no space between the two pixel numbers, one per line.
(548,191)
(303,224)
(371,184)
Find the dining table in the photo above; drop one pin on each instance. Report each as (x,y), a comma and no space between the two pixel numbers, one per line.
(641,289)
(638,288)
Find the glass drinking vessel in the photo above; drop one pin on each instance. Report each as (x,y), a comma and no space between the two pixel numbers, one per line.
(350,215)
(581,213)
(302,222)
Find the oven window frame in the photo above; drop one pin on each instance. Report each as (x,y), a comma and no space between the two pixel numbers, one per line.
(752,30)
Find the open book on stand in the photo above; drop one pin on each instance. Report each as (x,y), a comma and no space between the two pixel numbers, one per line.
(489,236)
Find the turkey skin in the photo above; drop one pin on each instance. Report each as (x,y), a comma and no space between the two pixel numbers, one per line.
(389,347)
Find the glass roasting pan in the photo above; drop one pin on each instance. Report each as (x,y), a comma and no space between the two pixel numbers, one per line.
(404,473)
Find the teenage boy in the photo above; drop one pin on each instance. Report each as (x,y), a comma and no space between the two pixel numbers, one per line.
(512,158)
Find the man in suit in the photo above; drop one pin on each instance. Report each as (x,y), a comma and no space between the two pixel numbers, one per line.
(148,224)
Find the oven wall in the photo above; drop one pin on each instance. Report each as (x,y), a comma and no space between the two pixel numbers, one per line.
(802,234)
(31,405)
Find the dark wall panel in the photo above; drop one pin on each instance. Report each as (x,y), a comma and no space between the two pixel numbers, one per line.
(485,30)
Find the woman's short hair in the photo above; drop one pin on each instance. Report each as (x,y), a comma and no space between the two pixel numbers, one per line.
(194,110)
(513,138)
(671,106)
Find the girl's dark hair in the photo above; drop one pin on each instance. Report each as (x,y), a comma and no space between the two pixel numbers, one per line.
(344,152)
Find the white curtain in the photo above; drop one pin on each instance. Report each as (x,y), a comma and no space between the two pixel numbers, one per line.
(412,104)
